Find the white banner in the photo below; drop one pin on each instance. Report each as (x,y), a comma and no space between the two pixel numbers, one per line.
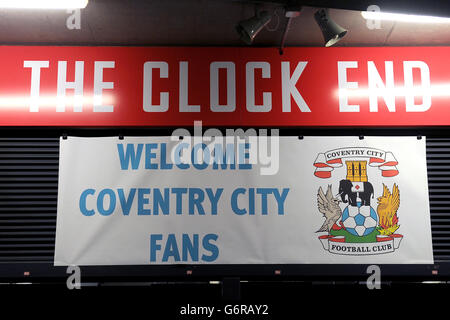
(150,200)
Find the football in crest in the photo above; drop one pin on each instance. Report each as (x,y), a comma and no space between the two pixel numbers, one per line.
(360,220)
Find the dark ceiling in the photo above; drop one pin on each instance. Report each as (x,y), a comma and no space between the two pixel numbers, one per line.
(212,23)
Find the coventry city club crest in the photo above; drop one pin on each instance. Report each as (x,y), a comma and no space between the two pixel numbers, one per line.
(356,221)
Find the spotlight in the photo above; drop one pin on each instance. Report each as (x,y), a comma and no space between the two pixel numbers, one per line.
(332,32)
(248,29)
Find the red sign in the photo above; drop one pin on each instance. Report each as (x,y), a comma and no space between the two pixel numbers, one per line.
(145,86)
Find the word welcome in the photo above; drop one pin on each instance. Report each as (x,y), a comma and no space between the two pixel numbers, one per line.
(133,156)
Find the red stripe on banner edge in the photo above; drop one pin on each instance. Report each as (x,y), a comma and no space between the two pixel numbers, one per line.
(389,173)
(381,238)
(323,174)
(390,164)
(340,239)
(376,160)
(334,161)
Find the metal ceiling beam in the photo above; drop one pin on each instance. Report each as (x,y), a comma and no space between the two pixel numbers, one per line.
(437,8)
(422,7)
